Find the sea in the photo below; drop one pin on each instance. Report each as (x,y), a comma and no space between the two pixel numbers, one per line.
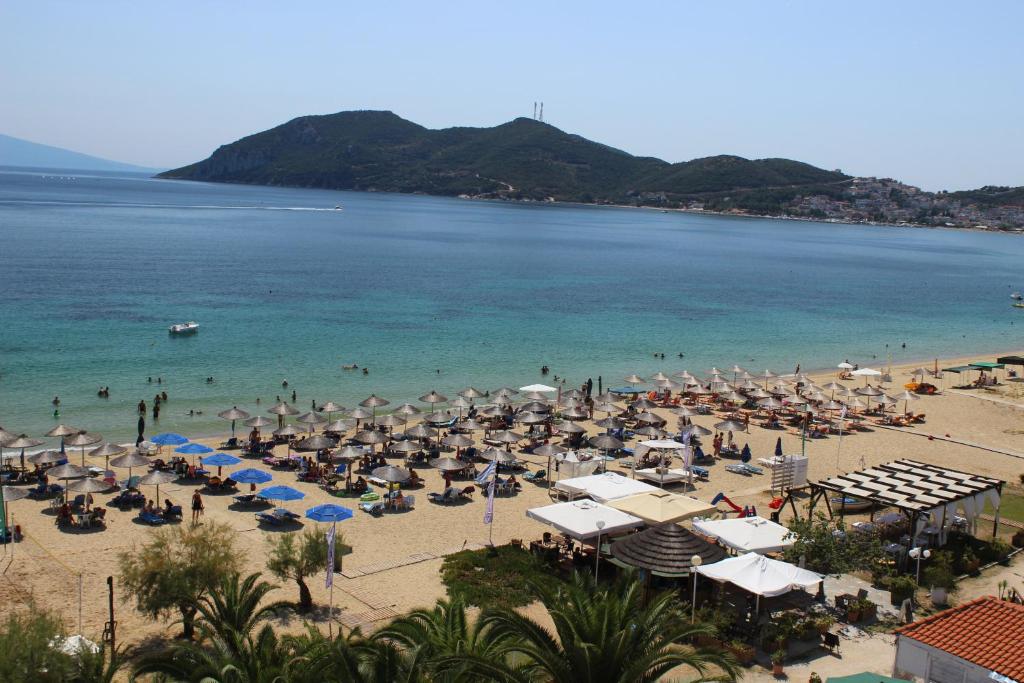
(432,293)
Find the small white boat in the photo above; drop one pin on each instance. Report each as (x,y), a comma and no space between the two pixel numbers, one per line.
(191,327)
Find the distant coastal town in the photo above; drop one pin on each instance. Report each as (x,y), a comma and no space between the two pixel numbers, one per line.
(883,201)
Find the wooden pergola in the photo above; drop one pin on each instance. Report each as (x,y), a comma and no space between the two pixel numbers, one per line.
(914,488)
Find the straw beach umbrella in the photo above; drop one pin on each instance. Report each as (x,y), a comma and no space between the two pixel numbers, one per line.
(63,431)
(47,458)
(88,485)
(23,441)
(130,460)
(107,451)
(330,408)
(233,414)
(83,439)
(156,478)
(282,410)
(373,401)
(311,420)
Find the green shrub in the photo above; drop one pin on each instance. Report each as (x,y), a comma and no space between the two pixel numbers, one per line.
(939,573)
(901,588)
(499,577)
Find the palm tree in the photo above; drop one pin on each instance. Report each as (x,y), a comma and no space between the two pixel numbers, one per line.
(230,649)
(445,634)
(233,611)
(102,666)
(602,634)
(315,657)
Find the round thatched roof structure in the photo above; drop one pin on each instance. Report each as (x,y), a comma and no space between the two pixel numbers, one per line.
(665,550)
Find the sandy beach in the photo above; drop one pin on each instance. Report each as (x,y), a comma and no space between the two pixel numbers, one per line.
(395,559)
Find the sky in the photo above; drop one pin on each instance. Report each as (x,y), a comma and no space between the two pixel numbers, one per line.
(930,93)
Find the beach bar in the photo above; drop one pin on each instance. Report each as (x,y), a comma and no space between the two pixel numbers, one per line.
(928,495)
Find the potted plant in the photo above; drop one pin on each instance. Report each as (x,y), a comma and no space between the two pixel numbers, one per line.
(868,609)
(778,659)
(823,622)
(970,562)
(743,652)
(814,678)
(939,576)
(901,588)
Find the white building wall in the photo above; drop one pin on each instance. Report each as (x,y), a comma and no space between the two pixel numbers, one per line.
(931,665)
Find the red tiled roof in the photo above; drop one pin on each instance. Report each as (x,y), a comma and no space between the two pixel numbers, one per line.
(987,632)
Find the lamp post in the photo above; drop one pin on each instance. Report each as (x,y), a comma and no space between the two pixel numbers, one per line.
(695,562)
(597,554)
(917,554)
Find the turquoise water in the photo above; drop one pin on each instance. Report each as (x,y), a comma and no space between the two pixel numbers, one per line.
(93,268)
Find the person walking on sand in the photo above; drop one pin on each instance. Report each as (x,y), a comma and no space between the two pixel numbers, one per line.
(197,507)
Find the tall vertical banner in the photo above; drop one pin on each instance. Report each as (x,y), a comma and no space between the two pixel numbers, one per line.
(329,581)
(489,510)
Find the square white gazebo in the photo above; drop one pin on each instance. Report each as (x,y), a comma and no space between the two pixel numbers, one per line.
(584,519)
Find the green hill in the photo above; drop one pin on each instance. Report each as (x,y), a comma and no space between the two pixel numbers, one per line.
(521,159)
(991,196)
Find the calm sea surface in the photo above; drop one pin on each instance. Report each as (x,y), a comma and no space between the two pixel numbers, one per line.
(93,268)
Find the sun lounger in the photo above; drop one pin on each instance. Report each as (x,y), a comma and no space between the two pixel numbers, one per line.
(230,443)
(267,518)
(449,495)
(45,490)
(702,473)
(150,518)
(536,477)
(375,508)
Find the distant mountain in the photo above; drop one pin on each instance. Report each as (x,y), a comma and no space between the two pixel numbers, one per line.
(18,152)
(521,159)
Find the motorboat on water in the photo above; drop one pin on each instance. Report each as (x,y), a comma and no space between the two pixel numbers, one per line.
(191,327)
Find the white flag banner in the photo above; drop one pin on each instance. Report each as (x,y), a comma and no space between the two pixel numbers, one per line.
(489,510)
(330,559)
(488,472)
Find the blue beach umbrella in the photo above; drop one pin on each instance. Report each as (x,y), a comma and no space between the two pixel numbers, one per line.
(221,460)
(745,453)
(169,439)
(778,447)
(193,449)
(251,476)
(329,512)
(281,493)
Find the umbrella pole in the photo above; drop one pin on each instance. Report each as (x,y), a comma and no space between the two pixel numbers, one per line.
(330,612)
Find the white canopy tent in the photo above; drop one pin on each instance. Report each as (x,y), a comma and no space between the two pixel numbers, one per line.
(662,507)
(760,575)
(538,387)
(571,466)
(580,519)
(603,487)
(746,534)
(663,444)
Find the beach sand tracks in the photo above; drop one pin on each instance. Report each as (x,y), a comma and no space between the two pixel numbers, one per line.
(361,619)
(432,554)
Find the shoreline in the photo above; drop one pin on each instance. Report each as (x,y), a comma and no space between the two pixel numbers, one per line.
(539,202)
(814,372)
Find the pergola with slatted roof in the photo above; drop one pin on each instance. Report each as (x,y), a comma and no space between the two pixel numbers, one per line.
(909,486)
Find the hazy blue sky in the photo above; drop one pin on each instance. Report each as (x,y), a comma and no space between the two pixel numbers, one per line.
(928,92)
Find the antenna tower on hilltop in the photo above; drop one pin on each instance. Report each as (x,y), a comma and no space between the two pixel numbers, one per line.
(541,112)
